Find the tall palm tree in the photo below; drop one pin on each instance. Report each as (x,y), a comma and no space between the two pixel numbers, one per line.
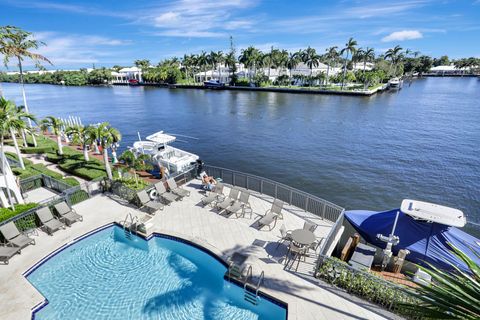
(368,56)
(331,56)
(11,120)
(17,43)
(217,58)
(350,48)
(310,57)
(106,136)
(250,58)
(293,61)
(203,62)
(394,55)
(280,60)
(56,125)
(231,63)
(80,134)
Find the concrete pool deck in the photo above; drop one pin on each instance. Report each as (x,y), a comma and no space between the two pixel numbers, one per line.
(307,298)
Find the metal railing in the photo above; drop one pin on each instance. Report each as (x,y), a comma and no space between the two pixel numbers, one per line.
(332,235)
(364,284)
(41,180)
(28,220)
(300,199)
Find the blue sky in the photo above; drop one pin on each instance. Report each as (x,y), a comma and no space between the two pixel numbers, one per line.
(108,32)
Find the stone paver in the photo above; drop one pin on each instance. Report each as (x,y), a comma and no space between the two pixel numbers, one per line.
(187,219)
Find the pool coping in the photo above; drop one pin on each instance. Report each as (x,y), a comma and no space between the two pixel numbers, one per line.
(189,242)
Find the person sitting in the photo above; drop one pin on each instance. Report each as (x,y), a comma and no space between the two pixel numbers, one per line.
(208,182)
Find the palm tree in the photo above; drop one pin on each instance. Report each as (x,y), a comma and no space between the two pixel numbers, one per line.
(280,60)
(350,48)
(395,55)
(293,61)
(56,125)
(216,58)
(310,57)
(80,134)
(106,136)
(11,120)
(17,43)
(250,58)
(368,56)
(231,63)
(203,62)
(331,56)
(451,295)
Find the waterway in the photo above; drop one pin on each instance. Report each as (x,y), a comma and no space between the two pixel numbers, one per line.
(422,142)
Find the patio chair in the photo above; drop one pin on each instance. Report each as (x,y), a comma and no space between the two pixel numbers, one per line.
(163,194)
(13,236)
(314,246)
(267,220)
(295,252)
(238,207)
(49,223)
(172,185)
(6,252)
(215,196)
(286,235)
(147,203)
(277,207)
(67,214)
(310,226)
(232,196)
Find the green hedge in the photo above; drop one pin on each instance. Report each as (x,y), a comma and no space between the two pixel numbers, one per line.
(14,156)
(7,213)
(87,170)
(39,150)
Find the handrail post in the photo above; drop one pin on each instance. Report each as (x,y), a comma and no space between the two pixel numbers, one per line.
(261,186)
(306,203)
(247,183)
(233,179)
(276,189)
(291,194)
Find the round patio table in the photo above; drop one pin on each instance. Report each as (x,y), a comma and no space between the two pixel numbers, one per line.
(303,237)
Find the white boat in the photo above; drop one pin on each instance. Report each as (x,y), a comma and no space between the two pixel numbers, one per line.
(431,212)
(163,154)
(213,84)
(395,83)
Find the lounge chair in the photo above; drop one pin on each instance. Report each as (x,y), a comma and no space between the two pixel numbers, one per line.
(163,194)
(172,185)
(6,252)
(232,196)
(362,257)
(49,223)
(67,214)
(13,236)
(147,203)
(267,220)
(238,207)
(215,196)
(276,208)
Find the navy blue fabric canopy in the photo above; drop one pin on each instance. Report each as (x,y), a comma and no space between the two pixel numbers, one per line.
(426,241)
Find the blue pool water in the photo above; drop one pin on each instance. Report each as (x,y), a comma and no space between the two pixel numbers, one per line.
(104,276)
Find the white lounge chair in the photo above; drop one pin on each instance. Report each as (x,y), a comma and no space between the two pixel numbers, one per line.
(238,207)
(12,235)
(215,195)
(232,196)
(172,185)
(67,214)
(267,220)
(163,194)
(49,223)
(147,203)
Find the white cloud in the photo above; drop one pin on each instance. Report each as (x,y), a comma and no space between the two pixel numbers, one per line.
(403,35)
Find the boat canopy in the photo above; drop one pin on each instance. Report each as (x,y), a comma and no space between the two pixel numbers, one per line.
(426,241)
(161,138)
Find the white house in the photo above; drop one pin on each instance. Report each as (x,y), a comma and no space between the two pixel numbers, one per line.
(125,74)
(12,185)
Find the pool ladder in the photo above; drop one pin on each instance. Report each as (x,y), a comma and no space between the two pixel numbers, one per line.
(133,223)
(252,294)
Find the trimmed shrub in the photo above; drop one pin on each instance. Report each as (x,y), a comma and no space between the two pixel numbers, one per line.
(7,213)
(71,181)
(33,150)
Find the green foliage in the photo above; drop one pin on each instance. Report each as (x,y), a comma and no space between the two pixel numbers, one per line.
(283,80)
(170,74)
(134,184)
(451,295)
(364,284)
(14,156)
(78,196)
(261,80)
(242,82)
(99,76)
(7,213)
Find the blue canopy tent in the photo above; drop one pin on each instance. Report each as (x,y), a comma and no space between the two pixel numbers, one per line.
(425,241)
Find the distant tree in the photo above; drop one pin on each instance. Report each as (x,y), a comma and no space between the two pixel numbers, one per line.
(293,61)
(395,56)
(142,64)
(55,124)
(425,64)
(99,76)
(330,57)
(350,48)
(310,57)
(442,61)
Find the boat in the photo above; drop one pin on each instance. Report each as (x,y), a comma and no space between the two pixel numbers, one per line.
(162,154)
(425,229)
(395,83)
(431,212)
(133,82)
(213,84)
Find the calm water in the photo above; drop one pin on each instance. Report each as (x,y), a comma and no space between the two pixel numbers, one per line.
(361,153)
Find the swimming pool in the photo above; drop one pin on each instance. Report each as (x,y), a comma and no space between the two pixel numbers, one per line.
(105,276)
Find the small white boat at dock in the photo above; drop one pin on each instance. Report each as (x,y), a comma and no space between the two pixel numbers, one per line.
(158,146)
(395,83)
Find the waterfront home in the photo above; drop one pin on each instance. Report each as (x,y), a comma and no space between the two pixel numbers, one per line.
(448,70)
(126,74)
